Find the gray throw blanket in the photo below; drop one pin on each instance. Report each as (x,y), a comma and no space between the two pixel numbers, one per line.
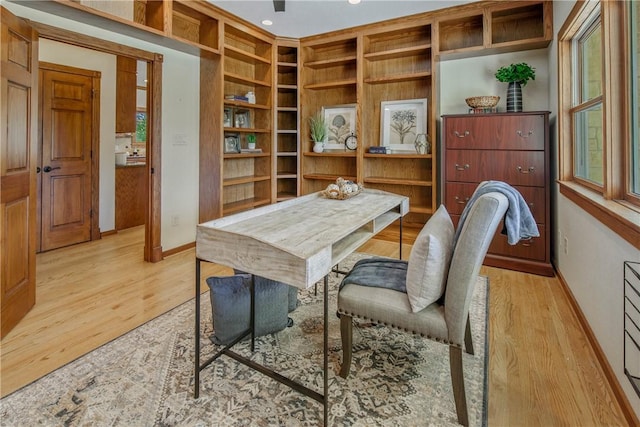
(518,221)
(378,272)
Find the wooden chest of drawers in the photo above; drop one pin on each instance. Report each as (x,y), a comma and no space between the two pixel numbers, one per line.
(509,147)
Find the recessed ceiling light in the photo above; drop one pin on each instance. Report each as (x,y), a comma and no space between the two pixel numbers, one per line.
(354,1)
(267,22)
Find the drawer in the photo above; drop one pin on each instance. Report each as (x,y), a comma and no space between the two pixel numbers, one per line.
(503,132)
(532,249)
(457,194)
(514,167)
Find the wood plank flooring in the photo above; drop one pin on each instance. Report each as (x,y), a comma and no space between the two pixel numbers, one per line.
(542,371)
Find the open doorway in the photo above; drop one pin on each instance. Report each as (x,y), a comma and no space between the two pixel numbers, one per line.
(153,65)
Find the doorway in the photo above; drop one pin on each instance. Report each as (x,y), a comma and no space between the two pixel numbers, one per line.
(152,246)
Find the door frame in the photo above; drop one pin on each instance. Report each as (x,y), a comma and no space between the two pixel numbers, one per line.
(95,144)
(152,244)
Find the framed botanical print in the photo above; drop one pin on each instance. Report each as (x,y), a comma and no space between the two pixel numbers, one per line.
(341,123)
(401,122)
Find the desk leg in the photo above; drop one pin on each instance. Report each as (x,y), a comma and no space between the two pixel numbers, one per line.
(196,386)
(326,350)
(400,237)
(252,312)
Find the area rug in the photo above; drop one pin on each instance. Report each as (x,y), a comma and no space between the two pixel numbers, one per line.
(145,378)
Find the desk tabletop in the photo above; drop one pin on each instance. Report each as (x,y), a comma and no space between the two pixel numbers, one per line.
(299,240)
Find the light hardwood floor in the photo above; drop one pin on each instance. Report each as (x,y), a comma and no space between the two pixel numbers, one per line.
(542,371)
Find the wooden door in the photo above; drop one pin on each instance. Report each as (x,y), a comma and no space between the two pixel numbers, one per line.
(67,132)
(18,157)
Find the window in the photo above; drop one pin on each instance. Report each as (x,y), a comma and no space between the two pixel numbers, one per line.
(599,112)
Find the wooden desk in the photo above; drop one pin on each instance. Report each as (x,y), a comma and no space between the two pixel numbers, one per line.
(296,242)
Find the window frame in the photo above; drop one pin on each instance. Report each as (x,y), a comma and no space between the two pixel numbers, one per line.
(613,204)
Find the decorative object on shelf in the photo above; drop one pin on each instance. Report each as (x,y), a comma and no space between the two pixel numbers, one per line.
(482,101)
(228,117)
(251,97)
(483,110)
(377,150)
(401,121)
(342,189)
(251,141)
(517,75)
(422,144)
(236,98)
(351,142)
(318,130)
(231,144)
(341,122)
(241,119)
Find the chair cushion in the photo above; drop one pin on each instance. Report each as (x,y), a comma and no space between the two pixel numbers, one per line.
(429,261)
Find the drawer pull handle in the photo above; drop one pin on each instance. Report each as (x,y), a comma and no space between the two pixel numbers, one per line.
(521,135)
(456,133)
(460,201)
(461,168)
(530,170)
(526,245)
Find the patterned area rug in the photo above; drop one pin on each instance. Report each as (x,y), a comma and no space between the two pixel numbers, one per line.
(145,378)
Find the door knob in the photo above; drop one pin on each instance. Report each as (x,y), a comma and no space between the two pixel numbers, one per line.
(49,168)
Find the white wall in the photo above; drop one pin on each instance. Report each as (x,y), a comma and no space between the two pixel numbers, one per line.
(180,125)
(463,78)
(73,56)
(593,266)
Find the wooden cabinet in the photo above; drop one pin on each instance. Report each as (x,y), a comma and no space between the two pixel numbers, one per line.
(509,147)
(126,80)
(130,196)
(287,121)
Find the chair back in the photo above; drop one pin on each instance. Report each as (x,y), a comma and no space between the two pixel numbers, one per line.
(468,254)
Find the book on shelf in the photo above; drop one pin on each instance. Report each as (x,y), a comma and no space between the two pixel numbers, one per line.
(236,98)
(251,150)
(377,150)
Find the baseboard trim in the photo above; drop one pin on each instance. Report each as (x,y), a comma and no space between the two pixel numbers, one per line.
(108,233)
(609,374)
(178,249)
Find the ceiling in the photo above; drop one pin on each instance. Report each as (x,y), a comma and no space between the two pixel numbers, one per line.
(303,18)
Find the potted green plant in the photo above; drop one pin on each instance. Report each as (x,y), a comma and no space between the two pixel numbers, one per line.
(251,141)
(517,75)
(318,129)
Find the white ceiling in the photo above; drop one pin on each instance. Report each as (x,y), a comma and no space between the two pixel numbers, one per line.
(303,18)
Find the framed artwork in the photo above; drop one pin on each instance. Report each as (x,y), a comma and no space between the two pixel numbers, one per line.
(231,143)
(400,122)
(241,119)
(341,122)
(228,117)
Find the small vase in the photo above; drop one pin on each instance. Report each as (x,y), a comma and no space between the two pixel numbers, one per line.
(514,97)
(422,144)
(318,146)
(251,145)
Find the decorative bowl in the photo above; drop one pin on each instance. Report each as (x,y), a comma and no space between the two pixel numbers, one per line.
(482,101)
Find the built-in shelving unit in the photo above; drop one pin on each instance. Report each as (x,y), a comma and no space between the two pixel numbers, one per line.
(329,79)
(294,79)
(247,68)
(287,121)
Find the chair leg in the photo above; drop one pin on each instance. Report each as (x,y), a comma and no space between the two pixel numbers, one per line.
(346,330)
(457,381)
(468,340)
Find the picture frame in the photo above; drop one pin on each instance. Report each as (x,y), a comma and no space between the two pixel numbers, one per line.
(231,143)
(227,120)
(341,122)
(400,122)
(241,119)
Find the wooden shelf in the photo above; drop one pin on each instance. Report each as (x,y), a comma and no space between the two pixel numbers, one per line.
(327,177)
(284,175)
(398,156)
(398,77)
(397,53)
(287,87)
(245,180)
(332,62)
(242,205)
(245,56)
(247,80)
(397,181)
(286,154)
(244,155)
(244,104)
(330,154)
(247,130)
(327,85)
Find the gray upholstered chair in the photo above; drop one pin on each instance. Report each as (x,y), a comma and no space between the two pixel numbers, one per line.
(445,320)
